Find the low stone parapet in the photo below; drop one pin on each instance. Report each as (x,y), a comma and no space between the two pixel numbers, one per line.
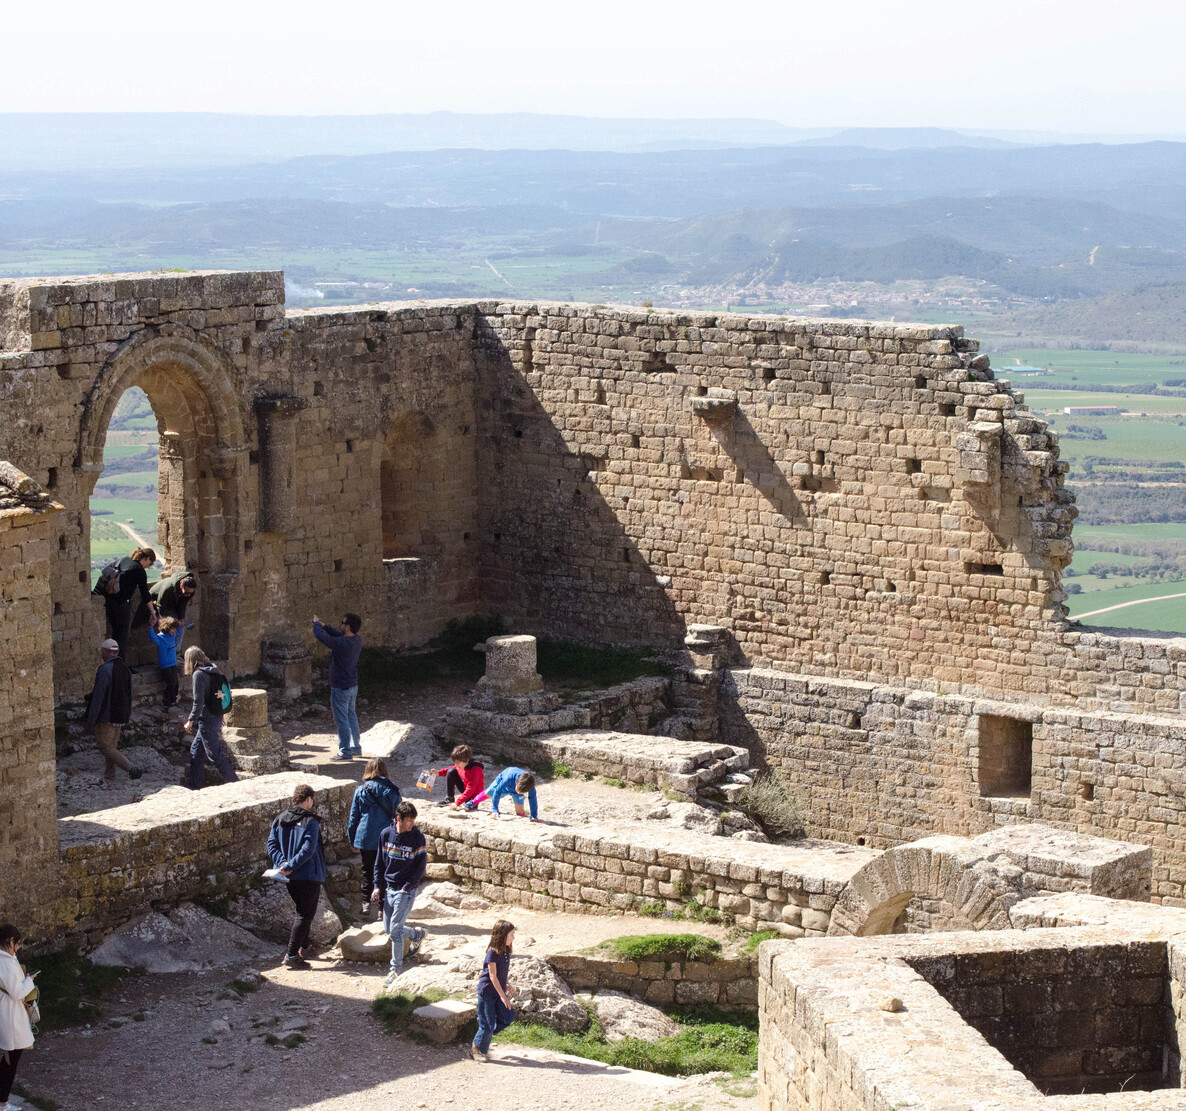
(791,888)
(174,846)
(726,982)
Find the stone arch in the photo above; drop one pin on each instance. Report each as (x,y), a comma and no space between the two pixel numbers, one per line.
(962,889)
(203,461)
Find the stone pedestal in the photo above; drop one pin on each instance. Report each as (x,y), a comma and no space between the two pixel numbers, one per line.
(253,745)
(287,660)
(511,684)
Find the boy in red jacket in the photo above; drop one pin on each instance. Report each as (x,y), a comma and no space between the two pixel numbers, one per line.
(465,780)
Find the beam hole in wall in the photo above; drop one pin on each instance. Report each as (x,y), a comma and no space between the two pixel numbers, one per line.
(984,568)
(1005,760)
(349,447)
(62,543)
(253,457)
(337,566)
(701,391)
(818,458)
(825,577)
(599,396)
(318,389)
(913,466)
(57,608)
(636,441)
(52,479)
(245,345)
(64,372)
(946,409)
(920,382)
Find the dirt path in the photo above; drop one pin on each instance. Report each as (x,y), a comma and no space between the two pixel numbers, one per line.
(140,541)
(149,1050)
(1125,605)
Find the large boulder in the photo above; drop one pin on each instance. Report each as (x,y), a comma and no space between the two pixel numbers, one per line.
(622,1017)
(268,912)
(399,742)
(543,997)
(366,943)
(188,939)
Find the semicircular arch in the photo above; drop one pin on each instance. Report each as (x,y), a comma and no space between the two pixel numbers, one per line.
(188,381)
(968,892)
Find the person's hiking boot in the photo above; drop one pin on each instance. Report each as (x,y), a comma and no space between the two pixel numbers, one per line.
(477,1054)
(135,773)
(296,961)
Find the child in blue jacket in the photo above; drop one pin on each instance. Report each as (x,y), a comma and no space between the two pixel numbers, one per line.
(371,812)
(298,853)
(514,782)
(166,634)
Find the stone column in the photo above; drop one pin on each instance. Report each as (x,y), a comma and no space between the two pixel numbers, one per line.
(511,684)
(254,746)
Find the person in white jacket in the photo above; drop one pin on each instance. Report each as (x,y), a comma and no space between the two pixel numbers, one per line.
(16,1034)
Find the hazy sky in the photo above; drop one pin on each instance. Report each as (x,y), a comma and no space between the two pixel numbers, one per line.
(1069,65)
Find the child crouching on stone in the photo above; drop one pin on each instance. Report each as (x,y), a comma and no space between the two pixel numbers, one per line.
(494,990)
(464,779)
(514,782)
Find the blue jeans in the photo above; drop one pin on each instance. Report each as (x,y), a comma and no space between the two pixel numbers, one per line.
(396,907)
(493,1016)
(342,702)
(207,745)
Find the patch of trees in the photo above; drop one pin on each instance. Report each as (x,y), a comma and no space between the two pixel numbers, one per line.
(1127,504)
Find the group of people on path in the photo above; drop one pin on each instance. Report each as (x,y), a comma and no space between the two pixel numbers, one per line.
(382,828)
(163,610)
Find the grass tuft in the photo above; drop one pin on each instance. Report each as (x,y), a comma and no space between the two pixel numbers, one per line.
(664,947)
(754,940)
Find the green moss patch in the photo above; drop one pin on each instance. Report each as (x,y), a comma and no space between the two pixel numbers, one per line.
(663,947)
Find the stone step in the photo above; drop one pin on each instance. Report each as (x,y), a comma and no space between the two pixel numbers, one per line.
(442,1022)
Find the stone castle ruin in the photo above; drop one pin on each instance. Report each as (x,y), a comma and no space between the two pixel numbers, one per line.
(871,522)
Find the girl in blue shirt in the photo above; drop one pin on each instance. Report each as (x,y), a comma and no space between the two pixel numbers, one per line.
(494,1004)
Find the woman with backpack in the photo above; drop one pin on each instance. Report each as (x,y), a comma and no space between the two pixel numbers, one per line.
(371,812)
(118,585)
(212,698)
(16,1032)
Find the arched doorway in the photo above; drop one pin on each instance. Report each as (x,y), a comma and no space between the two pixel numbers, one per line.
(201,473)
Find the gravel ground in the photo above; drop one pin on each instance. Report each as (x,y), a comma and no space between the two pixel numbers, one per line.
(148,1051)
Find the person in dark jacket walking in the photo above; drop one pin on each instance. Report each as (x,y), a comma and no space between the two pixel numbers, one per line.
(297,850)
(371,812)
(110,710)
(133,579)
(205,724)
(400,865)
(344,646)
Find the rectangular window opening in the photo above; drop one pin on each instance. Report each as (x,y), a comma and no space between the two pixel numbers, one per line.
(984,569)
(1005,764)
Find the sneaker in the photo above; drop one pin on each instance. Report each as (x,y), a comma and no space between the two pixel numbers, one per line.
(366,908)
(445,802)
(339,758)
(469,806)
(135,773)
(356,753)
(391,978)
(477,1054)
(416,941)
(296,962)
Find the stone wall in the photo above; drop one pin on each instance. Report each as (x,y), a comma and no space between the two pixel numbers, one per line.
(600,868)
(725,982)
(863,1024)
(174,846)
(880,765)
(28,805)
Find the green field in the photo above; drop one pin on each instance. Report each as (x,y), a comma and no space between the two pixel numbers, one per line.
(1091,368)
(1167,616)
(1129,439)
(1087,536)
(1054,401)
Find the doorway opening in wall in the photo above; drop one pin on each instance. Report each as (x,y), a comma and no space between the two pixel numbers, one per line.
(124,501)
(124,504)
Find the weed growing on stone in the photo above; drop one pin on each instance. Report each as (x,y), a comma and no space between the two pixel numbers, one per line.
(716,1042)
(550,769)
(770,801)
(663,947)
(613,781)
(754,940)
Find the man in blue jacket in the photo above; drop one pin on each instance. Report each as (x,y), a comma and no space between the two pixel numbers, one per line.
(400,865)
(345,646)
(298,853)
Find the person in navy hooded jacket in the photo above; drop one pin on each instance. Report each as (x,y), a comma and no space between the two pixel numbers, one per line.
(298,852)
(371,812)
